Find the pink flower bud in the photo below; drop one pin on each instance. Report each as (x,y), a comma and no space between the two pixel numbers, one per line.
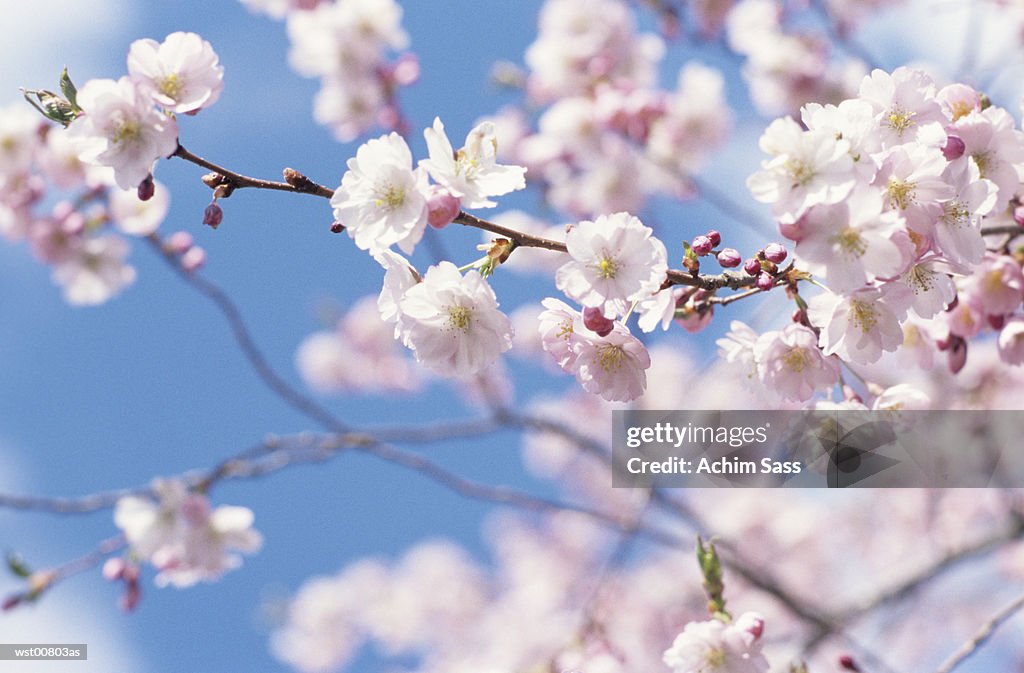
(406,70)
(594,320)
(442,207)
(729,258)
(847,663)
(715,237)
(131,597)
(1018,215)
(178,242)
(765,281)
(11,602)
(997,321)
(957,354)
(213,215)
(146,188)
(193,259)
(702,245)
(752,266)
(775,252)
(114,568)
(752,623)
(954,148)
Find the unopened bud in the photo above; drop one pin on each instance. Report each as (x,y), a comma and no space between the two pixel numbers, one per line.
(847,663)
(406,70)
(954,148)
(752,623)
(752,267)
(213,215)
(765,281)
(146,188)
(298,180)
(11,602)
(442,207)
(594,320)
(997,321)
(1018,215)
(113,569)
(337,227)
(178,243)
(775,252)
(729,258)
(715,237)
(193,259)
(702,245)
(957,354)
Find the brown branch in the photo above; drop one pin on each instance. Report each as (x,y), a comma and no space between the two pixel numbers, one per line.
(1010,229)
(300,184)
(297,182)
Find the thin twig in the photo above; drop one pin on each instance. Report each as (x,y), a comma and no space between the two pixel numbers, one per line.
(982,636)
(243,337)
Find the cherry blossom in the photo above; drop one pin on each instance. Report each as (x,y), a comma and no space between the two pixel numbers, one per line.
(381,200)
(790,362)
(139,218)
(452,322)
(121,129)
(181,535)
(705,647)
(93,270)
(861,325)
(472,173)
(182,73)
(615,259)
(808,168)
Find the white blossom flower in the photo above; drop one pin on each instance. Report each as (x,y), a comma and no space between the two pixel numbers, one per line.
(472,173)
(958,228)
(904,102)
(658,308)
(182,536)
(791,363)
(997,285)
(452,322)
(929,281)
(911,179)
(853,242)
(992,141)
(716,647)
(562,333)
(1011,341)
(381,199)
(94,271)
(183,73)
(615,259)
(19,139)
(613,366)
(399,276)
(121,129)
(808,168)
(860,325)
(135,217)
(900,397)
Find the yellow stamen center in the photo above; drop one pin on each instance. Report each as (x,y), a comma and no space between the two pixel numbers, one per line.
(609,357)
(851,242)
(170,86)
(899,120)
(459,317)
(863,315)
(900,194)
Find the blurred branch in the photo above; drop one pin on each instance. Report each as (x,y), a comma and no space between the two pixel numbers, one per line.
(243,337)
(982,636)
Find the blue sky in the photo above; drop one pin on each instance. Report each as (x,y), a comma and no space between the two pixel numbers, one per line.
(152,383)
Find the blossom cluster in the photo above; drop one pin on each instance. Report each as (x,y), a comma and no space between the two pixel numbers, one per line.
(96,175)
(182,536)
(610,138)
(348,44)
(885,196)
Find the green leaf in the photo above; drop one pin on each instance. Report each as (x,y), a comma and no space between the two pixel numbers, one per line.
(67,87)
(16,564)
(711,569)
